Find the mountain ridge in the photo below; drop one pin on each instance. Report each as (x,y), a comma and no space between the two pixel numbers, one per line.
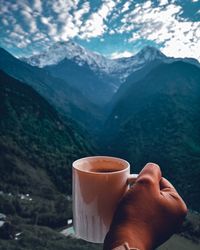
(154,117)
(99,63)
(157,120)
(68,100)
(32,131)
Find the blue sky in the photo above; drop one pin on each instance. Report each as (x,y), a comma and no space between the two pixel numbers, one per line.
(114,28)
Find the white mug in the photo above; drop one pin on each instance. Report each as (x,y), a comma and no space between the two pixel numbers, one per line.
(99,182)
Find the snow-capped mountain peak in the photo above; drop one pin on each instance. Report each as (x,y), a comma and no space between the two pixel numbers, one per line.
(138,61)
(150,53)
(111,71)
(72,51)
(117,69)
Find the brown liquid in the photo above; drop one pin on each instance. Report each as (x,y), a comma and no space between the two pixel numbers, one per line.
(104,170)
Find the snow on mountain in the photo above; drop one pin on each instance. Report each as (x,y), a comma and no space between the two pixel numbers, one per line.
(98,63)
(137,62)
(72,51)
(129,65)
(116,69)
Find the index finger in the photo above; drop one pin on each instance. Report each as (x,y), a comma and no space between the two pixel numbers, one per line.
(150,175)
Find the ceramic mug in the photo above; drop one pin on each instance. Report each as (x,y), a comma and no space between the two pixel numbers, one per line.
(99,182)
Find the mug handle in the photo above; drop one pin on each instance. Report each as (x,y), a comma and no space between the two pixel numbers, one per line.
(131,179)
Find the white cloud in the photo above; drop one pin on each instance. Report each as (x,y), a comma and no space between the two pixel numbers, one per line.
(5,22)
(163,2)
(111,32)
(60,6)
(18,40)
(179,37)
(26,15)
(146,5)
(3,9)
(16,36)
(29,19)
(106,8)
(95,25)
(50,21)
(25,7)
(126,7)
(67,21)
(184,43)
(69,31)
(116,55)
(33,26)
(78,15)
(45,20)
(23,43)
(38,36)
(37,5)
(18,29)
(50,25)
(69,17)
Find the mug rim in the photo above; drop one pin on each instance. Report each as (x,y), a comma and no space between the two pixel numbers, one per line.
(99,157)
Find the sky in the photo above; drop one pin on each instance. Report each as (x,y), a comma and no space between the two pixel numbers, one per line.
(114,28)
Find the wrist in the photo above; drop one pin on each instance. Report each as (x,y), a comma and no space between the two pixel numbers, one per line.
(136,237)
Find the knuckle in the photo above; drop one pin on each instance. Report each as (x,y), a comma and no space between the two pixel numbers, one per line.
(146,181)
(152,165)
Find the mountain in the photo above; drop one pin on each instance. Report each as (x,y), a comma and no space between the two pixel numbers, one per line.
(154,117)
(140,64)
(98,90)
(72,51)
(116,71)
(97,63)
(35,143)
(127,66)
(68,100)
(157,119)
(97,77)
(86,71)
(36,152)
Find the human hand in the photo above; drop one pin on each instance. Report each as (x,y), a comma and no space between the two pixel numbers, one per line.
(148,214)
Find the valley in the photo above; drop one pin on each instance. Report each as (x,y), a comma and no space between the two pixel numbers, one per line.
(143,108)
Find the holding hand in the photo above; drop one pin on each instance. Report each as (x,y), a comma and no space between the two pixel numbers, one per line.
(149,213)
